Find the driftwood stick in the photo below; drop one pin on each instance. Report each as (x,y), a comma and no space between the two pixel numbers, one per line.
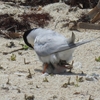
(5,53)
(88,26)
(84,25)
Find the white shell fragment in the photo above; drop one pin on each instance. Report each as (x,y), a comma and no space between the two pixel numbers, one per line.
(92,77)
(45,74)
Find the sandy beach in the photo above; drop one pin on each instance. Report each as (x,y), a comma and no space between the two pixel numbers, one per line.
(82,84)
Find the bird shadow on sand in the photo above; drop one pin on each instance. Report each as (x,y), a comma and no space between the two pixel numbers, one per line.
(73,73)
(65,73)
(38,70)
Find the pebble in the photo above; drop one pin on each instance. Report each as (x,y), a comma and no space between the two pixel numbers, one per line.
(45,74)
(92,77)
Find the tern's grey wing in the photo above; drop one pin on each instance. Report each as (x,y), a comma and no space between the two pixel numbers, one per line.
(53,43)
(49,43)
(80,43)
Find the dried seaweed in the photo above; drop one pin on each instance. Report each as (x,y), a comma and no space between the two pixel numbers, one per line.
(38,19)
(32,2)
(7,21)
(11,26)
(85,3)
(83,18)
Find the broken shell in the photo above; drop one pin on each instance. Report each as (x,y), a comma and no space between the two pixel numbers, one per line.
(92,77)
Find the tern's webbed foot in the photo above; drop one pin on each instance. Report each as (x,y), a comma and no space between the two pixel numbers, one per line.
(70,67)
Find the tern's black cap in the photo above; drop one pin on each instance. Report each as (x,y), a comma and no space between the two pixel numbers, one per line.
(25,37)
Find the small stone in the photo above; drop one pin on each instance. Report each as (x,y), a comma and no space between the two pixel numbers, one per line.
(45,74)
(89,78)
(65,85)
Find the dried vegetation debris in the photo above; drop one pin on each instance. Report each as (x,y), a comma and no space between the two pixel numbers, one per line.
(32,2)
(83,4)
(83,18)
(38,2)
(12,25)
(7,21)
(39,19)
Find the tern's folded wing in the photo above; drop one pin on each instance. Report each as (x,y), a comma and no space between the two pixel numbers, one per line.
(49,44)
(53,43)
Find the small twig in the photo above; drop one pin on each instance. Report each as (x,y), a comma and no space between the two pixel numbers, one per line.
(25,97)
(30,75)
(19,91)
(4,33)
(82,72)
(25,61)
(8,82)
(11,27)
(69,80)
(77,80)
(5,53)
(90,98)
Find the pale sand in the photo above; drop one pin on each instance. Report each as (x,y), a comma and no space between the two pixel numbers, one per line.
(84,58)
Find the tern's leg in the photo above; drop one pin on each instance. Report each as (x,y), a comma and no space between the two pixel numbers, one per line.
(45,68)
(70,66)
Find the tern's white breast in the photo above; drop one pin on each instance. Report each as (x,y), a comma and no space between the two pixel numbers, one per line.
(54,58)
(65,55)
(50,58)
